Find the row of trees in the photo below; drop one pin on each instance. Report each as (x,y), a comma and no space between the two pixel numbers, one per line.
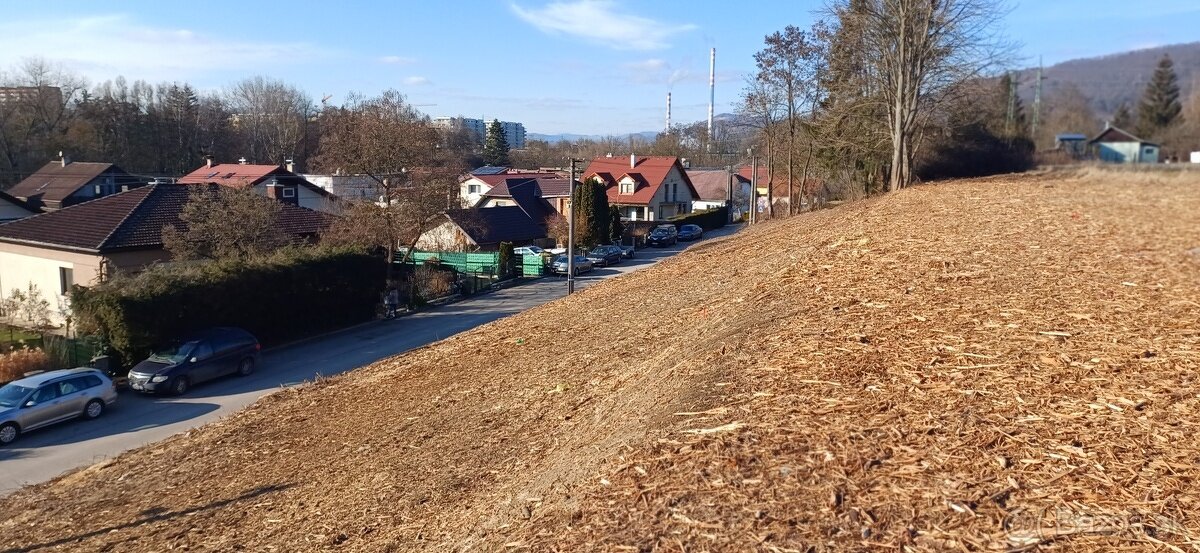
(167,129)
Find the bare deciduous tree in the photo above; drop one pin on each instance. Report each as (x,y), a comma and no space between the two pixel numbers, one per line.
(273,118)
(221,222)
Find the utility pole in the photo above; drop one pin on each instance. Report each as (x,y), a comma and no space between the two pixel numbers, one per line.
(571,234)
(1012,103)
(753,186)
(1037,101)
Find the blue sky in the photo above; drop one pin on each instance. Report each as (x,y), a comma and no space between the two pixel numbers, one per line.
(583,66)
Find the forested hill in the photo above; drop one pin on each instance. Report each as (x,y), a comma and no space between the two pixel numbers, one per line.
(1110,80)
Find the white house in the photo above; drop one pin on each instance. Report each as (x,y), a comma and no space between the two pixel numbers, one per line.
(720,187)
(481,181)
(1118,146)
(349,187)
(272,181)
(644,188)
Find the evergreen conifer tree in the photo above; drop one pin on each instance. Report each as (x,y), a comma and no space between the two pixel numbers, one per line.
(1160,106)
(495,146)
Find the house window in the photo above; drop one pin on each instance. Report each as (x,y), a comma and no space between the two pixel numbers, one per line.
(472,189)
(66,279)
(289,192)
(674,191)
(627,188)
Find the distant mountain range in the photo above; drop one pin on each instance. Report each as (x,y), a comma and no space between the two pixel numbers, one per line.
(646,135)
(1110,80)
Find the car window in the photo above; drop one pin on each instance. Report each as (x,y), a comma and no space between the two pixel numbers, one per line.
(68,387)
(12,394)
(91,381)
(203,351)
(44,394)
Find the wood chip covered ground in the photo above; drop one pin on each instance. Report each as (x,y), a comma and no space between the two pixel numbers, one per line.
(1001,364)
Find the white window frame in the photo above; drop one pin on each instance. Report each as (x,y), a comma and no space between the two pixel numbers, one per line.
(289,192)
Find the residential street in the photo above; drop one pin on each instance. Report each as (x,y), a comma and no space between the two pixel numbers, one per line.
(137,419)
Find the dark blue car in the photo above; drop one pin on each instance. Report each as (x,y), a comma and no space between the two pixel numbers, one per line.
(690,232)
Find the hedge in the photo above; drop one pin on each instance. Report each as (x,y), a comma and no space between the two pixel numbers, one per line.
(708,219)
(291,294)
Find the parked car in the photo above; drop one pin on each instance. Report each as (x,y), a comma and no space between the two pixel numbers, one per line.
(195,358)
(528,250)
(663,235)
(691,232)
(603,256)
(582,264)
(627,251)
(52,397)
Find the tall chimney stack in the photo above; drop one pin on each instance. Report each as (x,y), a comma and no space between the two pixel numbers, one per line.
(668,112)
(712,88)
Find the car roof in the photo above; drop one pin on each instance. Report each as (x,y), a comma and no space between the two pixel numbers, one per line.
(42,378)
(220,331)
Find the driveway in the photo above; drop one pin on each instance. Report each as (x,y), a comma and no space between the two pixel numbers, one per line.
(137,419)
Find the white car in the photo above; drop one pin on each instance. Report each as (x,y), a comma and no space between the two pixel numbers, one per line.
(528,250)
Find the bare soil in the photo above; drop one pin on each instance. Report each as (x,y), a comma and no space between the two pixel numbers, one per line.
(994,364)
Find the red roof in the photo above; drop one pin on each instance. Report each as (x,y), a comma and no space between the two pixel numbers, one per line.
(648,171)
(232,174)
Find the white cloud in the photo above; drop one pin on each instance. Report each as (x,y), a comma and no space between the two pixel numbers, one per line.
(103,47)
(397,60)
(601,22)
(648,65)
(417,81)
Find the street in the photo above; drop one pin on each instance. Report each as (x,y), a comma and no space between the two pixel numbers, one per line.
(137,419)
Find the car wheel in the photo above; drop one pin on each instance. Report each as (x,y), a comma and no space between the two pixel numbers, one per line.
(246,367)
(9,433)
(94,409)
(180,386)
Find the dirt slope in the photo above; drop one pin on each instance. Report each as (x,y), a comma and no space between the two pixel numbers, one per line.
(980,365)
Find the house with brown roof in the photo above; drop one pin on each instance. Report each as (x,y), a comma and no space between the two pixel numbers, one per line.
(475,185)
(555,191)
(89,242)
(63,183)
(644,188)
(720,187)
(273,181)
(12,208)
(1115,145)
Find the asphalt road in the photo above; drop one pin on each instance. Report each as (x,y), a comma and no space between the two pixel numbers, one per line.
(138,419)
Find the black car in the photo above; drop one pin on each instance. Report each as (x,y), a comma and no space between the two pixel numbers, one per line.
(197,357)
(661,238)
(690,232)
(603,256)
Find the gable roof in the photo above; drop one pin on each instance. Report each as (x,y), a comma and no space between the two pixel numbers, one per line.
(18,203)
(492,225)
(1114,134)
(648,171)
(238,175)
(131,220)
(544,187)
(54,182)
(713,184)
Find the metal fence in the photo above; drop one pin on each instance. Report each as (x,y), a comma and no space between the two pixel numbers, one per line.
(65,352)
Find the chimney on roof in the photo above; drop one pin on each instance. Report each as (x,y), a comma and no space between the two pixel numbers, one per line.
(687,164)
(608,154)
(242,160)
(632,161)
(208,159)
(64,159)
(291,165)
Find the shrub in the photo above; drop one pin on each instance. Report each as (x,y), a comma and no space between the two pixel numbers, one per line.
(708,219)
(290,294)
(14,364)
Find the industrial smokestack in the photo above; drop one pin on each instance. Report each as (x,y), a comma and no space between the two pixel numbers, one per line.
(668,112)
(712,88)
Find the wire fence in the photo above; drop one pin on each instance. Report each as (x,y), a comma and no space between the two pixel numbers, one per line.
(64,352)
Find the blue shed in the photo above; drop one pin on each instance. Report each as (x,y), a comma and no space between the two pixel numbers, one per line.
(1118,146)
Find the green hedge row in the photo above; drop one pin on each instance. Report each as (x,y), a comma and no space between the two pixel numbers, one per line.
(288,295)
(708,219)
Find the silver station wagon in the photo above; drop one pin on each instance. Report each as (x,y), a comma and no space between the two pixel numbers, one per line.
(51,397)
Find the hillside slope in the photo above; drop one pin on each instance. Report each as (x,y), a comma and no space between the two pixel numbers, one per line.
(972,365)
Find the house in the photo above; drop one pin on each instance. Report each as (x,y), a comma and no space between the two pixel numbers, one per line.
(720,187)
(480,181)
(1118,146)
(63,183)
(644,188)
(1072,144)
(88,242)
(555,191)
(484,229)
(273,181)
(12,208)
(348,187)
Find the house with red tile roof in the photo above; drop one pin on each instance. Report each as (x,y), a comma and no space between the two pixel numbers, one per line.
(720,187)
(123,232)
(62,183)
(646,187)
(273,181)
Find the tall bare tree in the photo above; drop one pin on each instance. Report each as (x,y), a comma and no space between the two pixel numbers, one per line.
(35,115)
(272,117)
(789,64)
(916,51)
